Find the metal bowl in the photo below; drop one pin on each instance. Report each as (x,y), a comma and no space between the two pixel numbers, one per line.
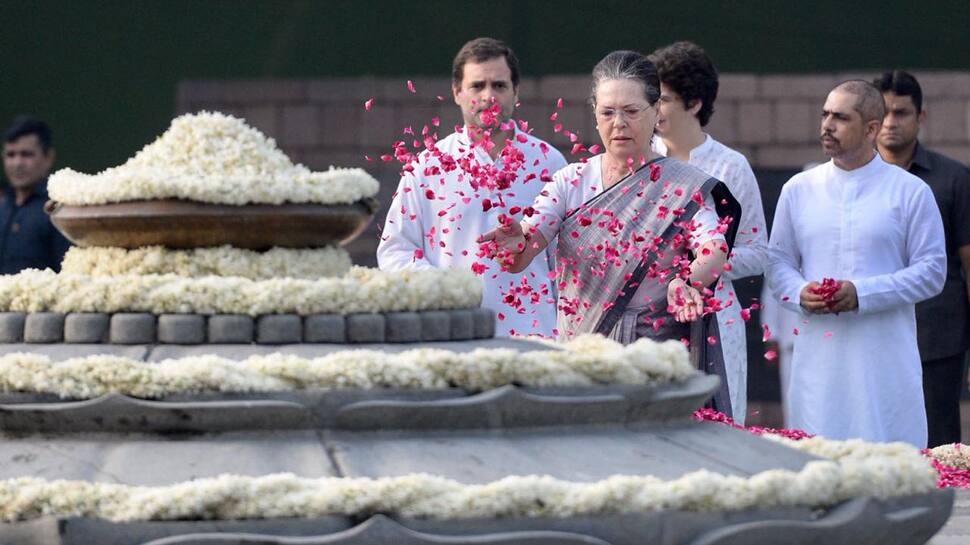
(187,224)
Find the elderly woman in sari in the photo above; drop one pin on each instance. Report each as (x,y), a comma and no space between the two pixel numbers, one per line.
(641,238)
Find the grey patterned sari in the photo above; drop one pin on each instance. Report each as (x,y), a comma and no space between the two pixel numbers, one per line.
(611,244)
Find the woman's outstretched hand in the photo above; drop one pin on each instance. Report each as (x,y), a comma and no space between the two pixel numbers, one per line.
(507,244)
(684,302)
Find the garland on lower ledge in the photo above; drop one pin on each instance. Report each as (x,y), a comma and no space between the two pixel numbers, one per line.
(360,290)
(854,469)
(952,462)
(586,361)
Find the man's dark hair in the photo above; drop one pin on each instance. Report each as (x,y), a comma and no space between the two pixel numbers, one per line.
(902,83)
(480,50)
(25,125)
(687,69)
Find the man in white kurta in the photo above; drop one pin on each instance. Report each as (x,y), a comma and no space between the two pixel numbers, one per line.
(688,89)
(876,228)
(437,214)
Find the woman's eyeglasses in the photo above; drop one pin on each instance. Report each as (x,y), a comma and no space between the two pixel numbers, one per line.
(632,113)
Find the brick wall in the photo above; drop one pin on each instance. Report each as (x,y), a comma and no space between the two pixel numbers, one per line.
(772,119)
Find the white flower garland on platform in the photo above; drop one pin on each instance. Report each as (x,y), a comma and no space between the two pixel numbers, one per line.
(956,455)
(361,290)
(585,361)
(854,469)
(213,158)
(221,261)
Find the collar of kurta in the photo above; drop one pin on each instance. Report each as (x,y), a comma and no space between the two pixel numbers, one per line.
(861,172)
(466,141)
(701,150)
(706,146)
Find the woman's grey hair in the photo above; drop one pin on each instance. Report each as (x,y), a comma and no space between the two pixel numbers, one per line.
(627,65)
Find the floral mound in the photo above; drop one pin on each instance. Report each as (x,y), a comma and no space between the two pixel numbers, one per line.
(212,158)
(853,469)
(360,290)
(222,261)
(951,462)
(586,361)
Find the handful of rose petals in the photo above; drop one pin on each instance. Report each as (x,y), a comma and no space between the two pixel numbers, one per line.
(827,289)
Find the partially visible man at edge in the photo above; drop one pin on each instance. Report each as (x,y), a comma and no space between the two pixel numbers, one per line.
(451,196)
(942,324)
(29,239)
(688,88)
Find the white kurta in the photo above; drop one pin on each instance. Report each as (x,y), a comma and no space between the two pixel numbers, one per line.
(441,215)
(858,374)
(781,323)
(748,257)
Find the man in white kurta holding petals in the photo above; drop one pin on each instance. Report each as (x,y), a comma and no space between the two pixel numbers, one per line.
(855,244)
(488,170)
(688,88)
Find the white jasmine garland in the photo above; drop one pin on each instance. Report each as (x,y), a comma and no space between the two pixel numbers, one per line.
(586,361)
(854,469)
(956,455)
(221,261)
(360,290)
(214,158)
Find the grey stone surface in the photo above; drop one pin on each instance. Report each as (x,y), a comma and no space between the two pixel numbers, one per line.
(86,327)
(132,328)
(120,413)
(64,351)
(442,409)
(366,328)
(181,328)
(484,323)
(504,407)
(90,531)
(403,327)
(230,329)
(907,520)
(957,528)
(279,329)
(158,459)
(462,324)
(575,453)
(325,328)
(12,327)
(44,327)
(435,325)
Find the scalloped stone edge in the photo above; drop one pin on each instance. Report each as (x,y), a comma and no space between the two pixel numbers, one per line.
(146,328)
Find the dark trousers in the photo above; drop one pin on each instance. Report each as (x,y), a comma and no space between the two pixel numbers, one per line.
(942,386)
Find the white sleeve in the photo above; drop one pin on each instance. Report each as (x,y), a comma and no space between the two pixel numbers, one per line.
(750,253)
(402,235)
(784,257)
(925,272)
(705,225)
(550,204)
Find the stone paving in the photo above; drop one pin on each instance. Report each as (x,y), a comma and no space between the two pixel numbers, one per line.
(957,529)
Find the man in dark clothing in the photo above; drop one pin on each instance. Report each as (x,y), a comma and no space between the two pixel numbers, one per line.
(28,239)
(943,322)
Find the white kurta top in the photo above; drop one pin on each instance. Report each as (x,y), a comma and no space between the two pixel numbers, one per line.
(576,184)
(748,258)
(858,374)
(444,227)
